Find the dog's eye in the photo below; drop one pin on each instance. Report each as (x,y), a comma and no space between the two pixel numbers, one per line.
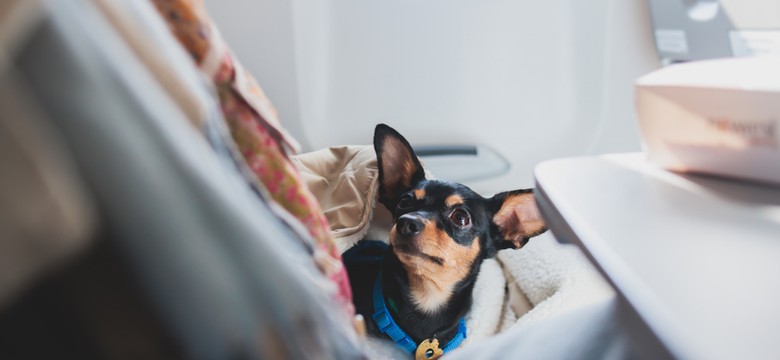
(460,217)
(405,203)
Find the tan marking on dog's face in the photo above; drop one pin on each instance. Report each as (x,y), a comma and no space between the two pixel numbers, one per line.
(432,283)
(453,200)
(419,194)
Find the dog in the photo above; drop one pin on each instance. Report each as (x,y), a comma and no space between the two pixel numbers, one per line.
(417,289)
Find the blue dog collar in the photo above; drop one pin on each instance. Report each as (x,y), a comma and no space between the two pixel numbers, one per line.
(384,321)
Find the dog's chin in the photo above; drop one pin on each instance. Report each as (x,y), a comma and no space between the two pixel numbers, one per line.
(410,255)
(404,248)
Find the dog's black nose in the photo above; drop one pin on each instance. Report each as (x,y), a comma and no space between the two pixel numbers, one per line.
(409,225)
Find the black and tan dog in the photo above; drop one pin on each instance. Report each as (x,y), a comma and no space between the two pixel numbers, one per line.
(419,288)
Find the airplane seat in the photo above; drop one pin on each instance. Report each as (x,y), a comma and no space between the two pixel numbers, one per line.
(130,228)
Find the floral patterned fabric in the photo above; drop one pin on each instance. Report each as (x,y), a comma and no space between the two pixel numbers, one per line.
(255,128)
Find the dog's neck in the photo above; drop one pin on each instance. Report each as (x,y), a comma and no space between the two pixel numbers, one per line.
(422,307)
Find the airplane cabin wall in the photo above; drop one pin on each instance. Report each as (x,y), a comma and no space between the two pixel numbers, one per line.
(533,80)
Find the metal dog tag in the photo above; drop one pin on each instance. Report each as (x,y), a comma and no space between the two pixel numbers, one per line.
(428,350)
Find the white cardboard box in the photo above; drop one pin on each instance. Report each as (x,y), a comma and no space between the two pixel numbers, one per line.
(719,117)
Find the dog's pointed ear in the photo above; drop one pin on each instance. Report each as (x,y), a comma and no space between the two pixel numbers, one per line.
(399,168)
(517,218)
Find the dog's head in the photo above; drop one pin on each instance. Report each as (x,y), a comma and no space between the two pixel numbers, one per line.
(443,229)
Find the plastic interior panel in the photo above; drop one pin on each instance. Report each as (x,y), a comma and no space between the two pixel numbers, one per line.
(533,81)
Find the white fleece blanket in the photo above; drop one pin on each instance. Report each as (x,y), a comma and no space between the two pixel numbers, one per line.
(522,287)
